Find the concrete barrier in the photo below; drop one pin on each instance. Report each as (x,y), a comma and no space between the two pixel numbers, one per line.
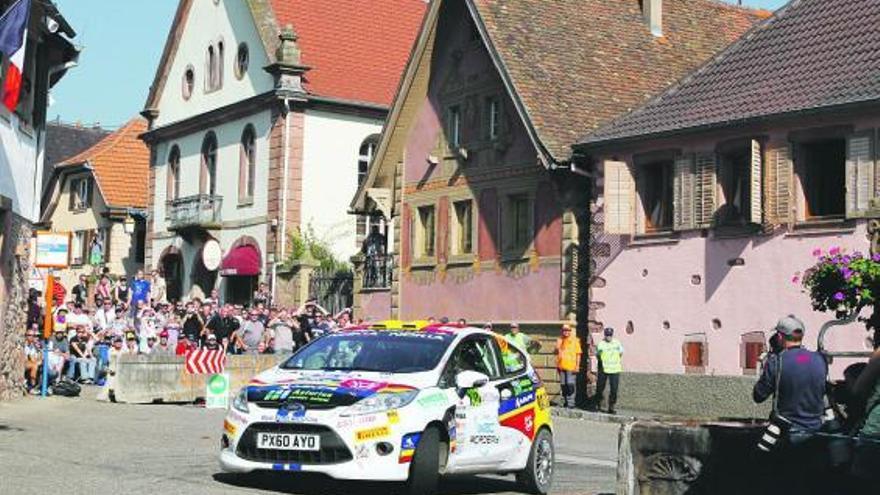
(148,379)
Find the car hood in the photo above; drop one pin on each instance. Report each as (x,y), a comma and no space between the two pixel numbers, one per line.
(328,389)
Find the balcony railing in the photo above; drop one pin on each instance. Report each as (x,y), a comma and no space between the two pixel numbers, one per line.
(377,271)
(201,210)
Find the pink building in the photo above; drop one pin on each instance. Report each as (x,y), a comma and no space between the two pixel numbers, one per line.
(710,198)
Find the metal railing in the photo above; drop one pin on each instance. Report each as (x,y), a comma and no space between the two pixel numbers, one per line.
(377,271)
(201,210)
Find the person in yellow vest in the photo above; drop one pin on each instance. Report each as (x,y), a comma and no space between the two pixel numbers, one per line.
(609,353)
(568,360)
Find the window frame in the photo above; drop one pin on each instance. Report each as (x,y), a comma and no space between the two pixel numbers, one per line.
(806,185)
(247,167)
(421,255)
(494,116)
(453,126)
(188,86)
(80,194)
(510,248)
(443,380)
(242,60)
(458,228)
(78,246)
(172,189)
(667,190)
(208,157)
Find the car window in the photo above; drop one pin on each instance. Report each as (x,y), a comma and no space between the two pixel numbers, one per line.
(512,359)
(475,354)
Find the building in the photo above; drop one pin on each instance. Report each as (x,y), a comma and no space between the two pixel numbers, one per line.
(99,196)
(474,177)
(262,114)
(710,198)
(48,55)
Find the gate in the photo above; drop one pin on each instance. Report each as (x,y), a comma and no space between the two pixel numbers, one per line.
(334,289)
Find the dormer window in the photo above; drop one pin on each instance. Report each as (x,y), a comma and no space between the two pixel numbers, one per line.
(493,118)
(242,60)
(214,69)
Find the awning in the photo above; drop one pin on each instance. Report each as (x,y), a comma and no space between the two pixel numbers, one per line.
(242,261)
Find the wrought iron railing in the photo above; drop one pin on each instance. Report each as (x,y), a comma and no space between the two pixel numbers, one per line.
(201,210)
(377,271)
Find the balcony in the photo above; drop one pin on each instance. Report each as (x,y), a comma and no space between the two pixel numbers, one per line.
(377,271)
(199,211)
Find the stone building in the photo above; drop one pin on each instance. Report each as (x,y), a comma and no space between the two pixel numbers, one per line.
(48,55)
(710,199)
(262,114)
(474,174)
(98,196)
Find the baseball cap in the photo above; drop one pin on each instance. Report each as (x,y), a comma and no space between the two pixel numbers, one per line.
(212,337)
(790,324)
(163,333)
(609,331)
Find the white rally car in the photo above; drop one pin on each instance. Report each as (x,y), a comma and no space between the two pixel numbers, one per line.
(392,403)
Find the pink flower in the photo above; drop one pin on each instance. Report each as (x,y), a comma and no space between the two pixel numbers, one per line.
(839,296)
(834,251)
(795,279)
(817,252)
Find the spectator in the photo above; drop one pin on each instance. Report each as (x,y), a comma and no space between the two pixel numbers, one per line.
(81,356)
(518,338)
(117,348)
(78,318)
(150,346)
(33,355)
(251,333)
(262,295)
(105,315)
(223,325)
(609,354)
(184,345)
(140,290)
(80,291)
(59,323)
(59,353)
(164,347)
(157,288)
(35,308)
(867,450)
(281,330)
(193,323)
(131,343)
(104,289)
(211,343)
(568,358)
(121,292)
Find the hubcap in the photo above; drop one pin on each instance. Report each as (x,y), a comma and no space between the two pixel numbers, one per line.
(544,461)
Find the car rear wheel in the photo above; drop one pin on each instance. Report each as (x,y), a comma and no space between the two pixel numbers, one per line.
(537,477)
(424,470)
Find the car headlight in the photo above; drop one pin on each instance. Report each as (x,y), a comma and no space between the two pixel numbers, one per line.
(240,402)
(381,402)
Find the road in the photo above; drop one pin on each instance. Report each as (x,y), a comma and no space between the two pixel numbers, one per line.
(80,446)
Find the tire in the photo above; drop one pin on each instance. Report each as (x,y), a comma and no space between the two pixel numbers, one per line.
(424,470)
(537,477)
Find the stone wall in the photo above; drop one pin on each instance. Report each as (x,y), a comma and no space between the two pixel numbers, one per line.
(14,267)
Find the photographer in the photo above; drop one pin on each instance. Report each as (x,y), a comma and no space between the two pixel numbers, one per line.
(867,452)
(307,315)
(796,377)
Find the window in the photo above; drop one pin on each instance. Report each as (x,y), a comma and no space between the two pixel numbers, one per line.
(78,247)
(695,355)
(463,228)
(453,127)
(477,354)
(80,194)
(733,179)
(208,183)
(242,60)
(654,183)
(173,186)
(514,362)
(247,166)
(821,166)
(517,233)
(425,232)
(189,82)
(493,118)
(752,348)
(214,63)
(365,157)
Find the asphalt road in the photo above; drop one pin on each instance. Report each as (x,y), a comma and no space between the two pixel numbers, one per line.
(74,446)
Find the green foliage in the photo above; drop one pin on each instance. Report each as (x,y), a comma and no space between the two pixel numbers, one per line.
(302,243)
(843,283)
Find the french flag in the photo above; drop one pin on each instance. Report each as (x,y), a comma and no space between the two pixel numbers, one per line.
(13,33)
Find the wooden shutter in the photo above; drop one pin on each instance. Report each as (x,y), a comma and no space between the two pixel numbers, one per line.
(779,185)
(685,190)
(756,184)
(619,192)
(705,197)
(859,173)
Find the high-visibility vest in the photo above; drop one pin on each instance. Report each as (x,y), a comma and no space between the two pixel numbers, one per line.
(520,339)
(568,351)
(611,355)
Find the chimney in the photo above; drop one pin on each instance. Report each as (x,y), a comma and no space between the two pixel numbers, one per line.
(653,12)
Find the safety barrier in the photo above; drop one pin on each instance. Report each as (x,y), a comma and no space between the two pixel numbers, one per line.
(149,379)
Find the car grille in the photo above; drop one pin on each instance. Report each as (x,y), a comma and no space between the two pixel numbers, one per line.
(275,404)
(333,449)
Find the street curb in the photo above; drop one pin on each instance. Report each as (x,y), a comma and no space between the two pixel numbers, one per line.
(592,416)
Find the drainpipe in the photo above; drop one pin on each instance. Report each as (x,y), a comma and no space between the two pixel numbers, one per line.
(284,195)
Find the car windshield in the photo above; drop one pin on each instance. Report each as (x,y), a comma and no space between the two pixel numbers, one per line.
(368,350)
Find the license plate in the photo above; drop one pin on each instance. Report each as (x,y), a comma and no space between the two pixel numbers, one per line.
(288,441)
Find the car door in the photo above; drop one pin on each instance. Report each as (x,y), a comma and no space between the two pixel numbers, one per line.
(518,397)
(477,430)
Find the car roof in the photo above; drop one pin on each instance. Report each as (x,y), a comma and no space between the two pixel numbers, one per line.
(457,330)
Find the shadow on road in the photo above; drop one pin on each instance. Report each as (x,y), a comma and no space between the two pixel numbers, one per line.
(316,484)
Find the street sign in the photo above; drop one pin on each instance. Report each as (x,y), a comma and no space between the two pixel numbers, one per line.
(204,361)
(53,250)
(217,391)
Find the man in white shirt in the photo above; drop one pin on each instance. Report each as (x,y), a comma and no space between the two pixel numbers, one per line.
(105,315)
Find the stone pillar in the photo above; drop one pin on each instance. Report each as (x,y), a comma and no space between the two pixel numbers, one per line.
(14,270)
(305,268)
(357,263)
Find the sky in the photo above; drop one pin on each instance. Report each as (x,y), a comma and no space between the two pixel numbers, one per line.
(121,42)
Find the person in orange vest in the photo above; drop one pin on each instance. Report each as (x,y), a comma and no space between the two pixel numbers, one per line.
(568,359)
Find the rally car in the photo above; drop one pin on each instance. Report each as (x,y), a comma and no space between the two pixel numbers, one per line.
(396,403)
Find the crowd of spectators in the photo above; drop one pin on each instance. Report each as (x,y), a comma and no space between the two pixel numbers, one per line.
(135,317)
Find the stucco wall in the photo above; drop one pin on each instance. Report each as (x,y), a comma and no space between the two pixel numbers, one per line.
(231,21)
(375,305)
(20,166)
(331,145)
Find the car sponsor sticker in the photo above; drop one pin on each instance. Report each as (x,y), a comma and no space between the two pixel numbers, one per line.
(485,439)
(435,399)
(362,451)
(357,421)
(393,417)
(408,445)
(229,427)
(372,433)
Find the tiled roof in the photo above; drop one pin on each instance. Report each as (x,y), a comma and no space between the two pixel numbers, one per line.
(812,54)
(356,49)
(65,140)
(121,164)
(578,64)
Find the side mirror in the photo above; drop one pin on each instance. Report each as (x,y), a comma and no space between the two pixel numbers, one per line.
(470,379)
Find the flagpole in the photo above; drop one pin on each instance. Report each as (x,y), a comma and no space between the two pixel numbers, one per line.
(47,330)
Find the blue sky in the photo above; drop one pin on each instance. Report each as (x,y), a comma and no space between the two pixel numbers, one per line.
(122,41)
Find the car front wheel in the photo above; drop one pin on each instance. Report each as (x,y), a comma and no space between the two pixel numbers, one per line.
(424,470)
(537,477)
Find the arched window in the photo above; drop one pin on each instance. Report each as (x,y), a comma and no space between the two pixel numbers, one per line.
(173,190)
(247,168)
(365,156)
(211,69)
(220,62)
(208,182)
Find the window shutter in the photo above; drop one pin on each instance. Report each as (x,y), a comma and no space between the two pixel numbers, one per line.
(619,192)
(685,189)
(71,194)
(755,196)
(108,233)
(859,173)
(90,187)
(705,197)
(779,185)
